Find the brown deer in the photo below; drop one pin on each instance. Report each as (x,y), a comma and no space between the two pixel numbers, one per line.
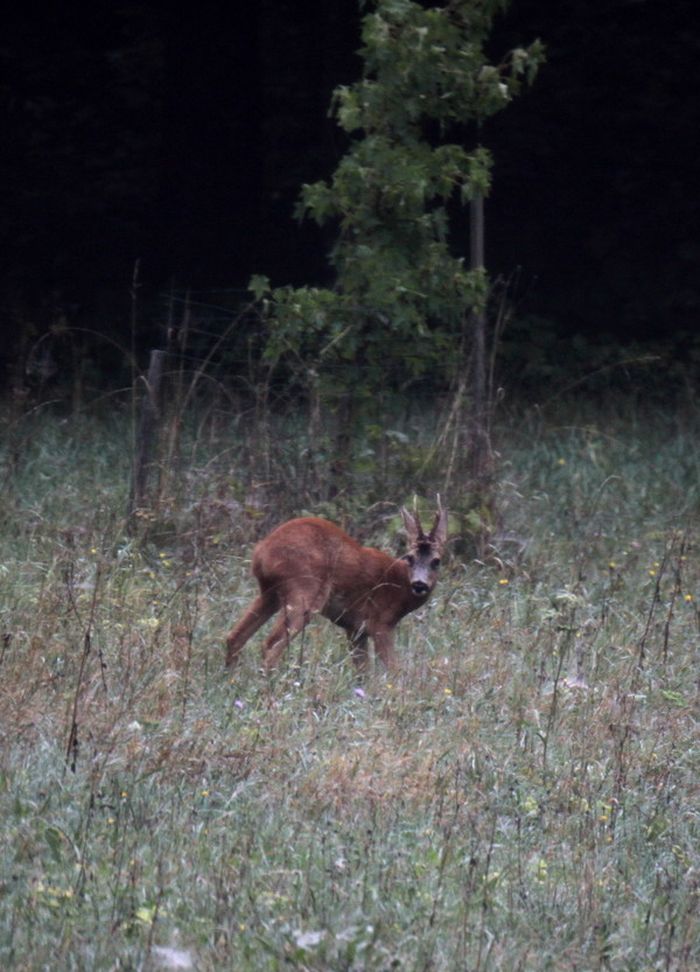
(310,566)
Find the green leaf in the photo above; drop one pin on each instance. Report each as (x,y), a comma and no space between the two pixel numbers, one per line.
(259,285)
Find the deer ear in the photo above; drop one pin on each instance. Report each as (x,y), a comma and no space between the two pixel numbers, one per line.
(411,524)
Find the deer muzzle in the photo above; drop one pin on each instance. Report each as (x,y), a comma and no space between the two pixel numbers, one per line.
(419,587)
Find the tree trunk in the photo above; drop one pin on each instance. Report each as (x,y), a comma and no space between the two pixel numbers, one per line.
(479,452)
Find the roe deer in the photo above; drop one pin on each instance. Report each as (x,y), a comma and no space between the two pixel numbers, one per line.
(310,566)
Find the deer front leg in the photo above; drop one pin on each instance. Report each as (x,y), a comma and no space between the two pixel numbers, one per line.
(359,648)
(384,647)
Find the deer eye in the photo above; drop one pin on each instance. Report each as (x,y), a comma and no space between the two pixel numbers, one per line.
(435,563)
(410,559)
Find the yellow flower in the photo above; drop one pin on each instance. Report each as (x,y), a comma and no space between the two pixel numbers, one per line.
(146,914)
(688,598)
(504,581)
(52,893)
(531,806)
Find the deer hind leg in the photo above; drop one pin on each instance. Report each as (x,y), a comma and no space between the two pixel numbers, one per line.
(292,619)
(262,608)
(299,602)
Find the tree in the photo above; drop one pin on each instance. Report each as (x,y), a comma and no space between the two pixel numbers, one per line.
(401,297)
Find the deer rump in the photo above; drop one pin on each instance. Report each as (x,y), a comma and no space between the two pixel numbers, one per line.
(310,566)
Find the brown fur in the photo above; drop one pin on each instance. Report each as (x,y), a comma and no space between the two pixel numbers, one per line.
(310,566)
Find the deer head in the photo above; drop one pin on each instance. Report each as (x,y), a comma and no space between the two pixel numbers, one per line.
(424,550)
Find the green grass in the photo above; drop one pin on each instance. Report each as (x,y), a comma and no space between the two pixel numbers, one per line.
(523,795)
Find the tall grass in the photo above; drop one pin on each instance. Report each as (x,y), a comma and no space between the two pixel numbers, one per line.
(523,795)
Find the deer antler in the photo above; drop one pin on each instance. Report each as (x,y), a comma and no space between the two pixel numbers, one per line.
(440,524)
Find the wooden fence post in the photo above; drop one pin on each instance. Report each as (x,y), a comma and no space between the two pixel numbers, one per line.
(144,449)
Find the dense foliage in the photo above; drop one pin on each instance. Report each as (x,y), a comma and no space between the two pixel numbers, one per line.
(400,295)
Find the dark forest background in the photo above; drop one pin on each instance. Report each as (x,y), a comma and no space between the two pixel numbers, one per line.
(179,138)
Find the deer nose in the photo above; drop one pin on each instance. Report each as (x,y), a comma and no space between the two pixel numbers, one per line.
(419,587)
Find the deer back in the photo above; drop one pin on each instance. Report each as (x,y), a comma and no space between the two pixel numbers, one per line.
(310,549)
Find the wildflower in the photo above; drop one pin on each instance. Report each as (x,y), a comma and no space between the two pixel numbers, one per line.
(239,703)
(360,692)
(52,893)
(530,806)
(205,793)
(172,958)
(688,598)
(561,461)
(146,914)
(652,572)
(504,582)
(612,565)
(448,691)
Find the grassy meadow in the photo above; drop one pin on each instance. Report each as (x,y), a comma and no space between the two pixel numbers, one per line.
(524,794)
